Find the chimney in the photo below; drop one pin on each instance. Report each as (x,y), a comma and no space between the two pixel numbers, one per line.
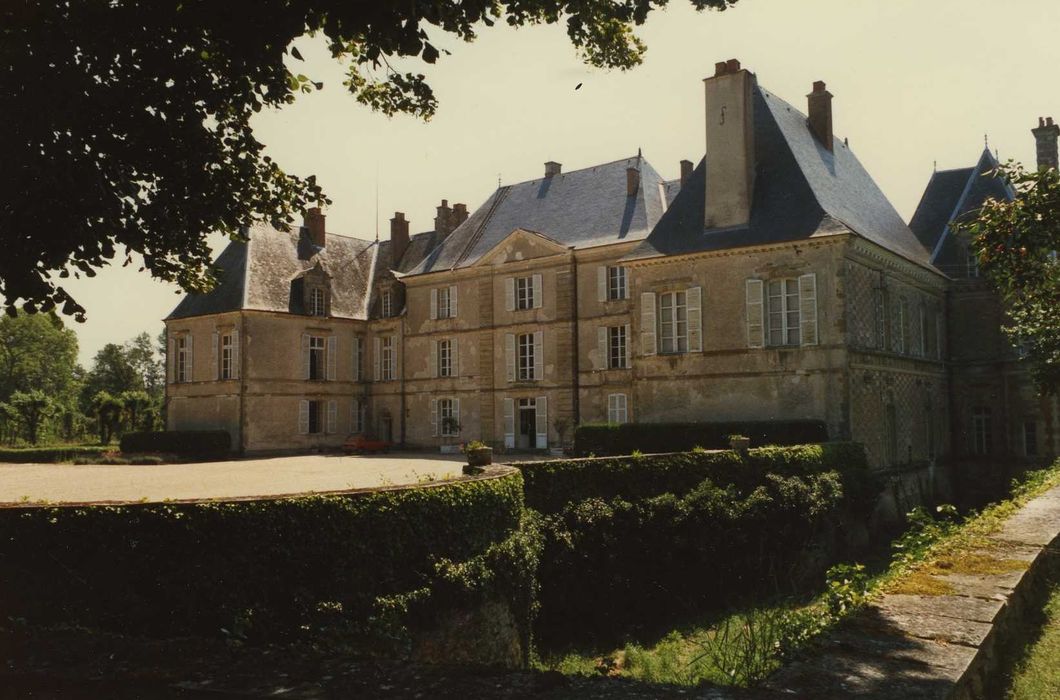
(314,223)
(632,181)
(1046,135)
(399,237)
(443,221)
(552,168)
(459,214)
(686,171)
(820,110)
(730,145)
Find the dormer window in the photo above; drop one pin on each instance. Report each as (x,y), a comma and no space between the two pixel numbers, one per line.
(317,306)
(388,303)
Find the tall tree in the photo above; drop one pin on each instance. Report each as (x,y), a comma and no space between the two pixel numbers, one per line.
(1017,244)
(32,408)
(36,352)
(112,372)
(140,111)
(141,353)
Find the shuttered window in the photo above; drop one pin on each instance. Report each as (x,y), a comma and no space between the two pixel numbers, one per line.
(388,358)
(526,357)
(617,408)
(617,347)
(673,322)
(445,358)
(616,283)
(524,293)
(784,318)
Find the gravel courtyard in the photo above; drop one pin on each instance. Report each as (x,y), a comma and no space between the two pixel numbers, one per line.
(65,483)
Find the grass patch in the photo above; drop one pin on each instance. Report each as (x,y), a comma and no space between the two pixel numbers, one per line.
(921,583)
(974,563)
(1037,674)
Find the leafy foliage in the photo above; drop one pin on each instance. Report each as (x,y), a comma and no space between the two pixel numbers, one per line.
(32,408)
(195,442)
(144,110)
(50,454)
(37,352)
(614,439)
(1017,244)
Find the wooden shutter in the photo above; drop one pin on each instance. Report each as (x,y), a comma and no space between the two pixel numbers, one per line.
(509,294)
(303,417)
(629,342)
(612,408)
(235,353)
(333,416)
(332,357)
(452,301)
(539,356)
(434,417)
(189,364)
(434,304)
(171,359)
(541,415)
(601,283)
(538,297)
(454,357)
(435,354)
(215,361)
(694,299)
(647,324)
(509,355)
(808,308)
(509,423)
(602,346)
(305,356)
(756,330)
(377,358)
(356,354)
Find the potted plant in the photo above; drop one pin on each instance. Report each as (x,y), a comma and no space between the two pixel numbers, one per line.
(738,442)
(479,455)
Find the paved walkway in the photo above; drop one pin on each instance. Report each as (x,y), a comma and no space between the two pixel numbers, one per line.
(65,483)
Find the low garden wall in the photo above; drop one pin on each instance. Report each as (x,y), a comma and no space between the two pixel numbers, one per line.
(440,573)
(623,439)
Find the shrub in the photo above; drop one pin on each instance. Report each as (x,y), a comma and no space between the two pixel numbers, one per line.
(613,439)
(50,454)
(182,442)
(369,567)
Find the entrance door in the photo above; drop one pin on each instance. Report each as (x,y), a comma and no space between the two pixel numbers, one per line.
(526,437)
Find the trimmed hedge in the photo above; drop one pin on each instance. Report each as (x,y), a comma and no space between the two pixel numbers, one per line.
(613,439)
(51,454)
(181,442)
(370,567)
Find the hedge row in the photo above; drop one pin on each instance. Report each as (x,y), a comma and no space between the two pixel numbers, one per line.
(626,438)
(198,442)
(368,567)
(552,485)
(47,455)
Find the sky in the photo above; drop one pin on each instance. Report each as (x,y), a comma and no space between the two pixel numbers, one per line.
(916,82)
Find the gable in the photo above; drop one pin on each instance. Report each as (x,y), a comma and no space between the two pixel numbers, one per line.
(519,245)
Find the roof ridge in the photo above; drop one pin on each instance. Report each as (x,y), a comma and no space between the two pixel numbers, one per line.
(501,195)
(578,170)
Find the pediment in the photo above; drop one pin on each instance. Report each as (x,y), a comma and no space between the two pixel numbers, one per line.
(521,244)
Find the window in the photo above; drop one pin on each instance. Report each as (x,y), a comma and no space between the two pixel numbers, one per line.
(316,416)
(616,409)
(524,293)
(183,362)
(982,439)
(972,266)
(616,283)
(388,358)
(227,357)
(445,358)
(356,417)
(1030,439)
(358,358)
(616,347)
(880,316)
(387,303)
(526,357)
(444,310)
(448,417)
(673,322)
(922,350)
(898,327)
(784,314)
(316,358)
(316,302)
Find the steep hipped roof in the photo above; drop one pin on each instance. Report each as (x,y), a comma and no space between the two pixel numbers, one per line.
(801,190)
(258,274)
(936,207)
(580,209)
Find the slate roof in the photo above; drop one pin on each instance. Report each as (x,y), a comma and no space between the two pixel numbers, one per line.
(801,190)
(582,208)
(257,274)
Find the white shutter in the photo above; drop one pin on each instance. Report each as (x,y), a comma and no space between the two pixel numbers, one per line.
(541,414)
(647,323)
(434,417)
(356,373)
(509,355)
(605,351)
(332,357)
(509,294)
(756,330)
(452,301)
(377,358)
(629,342)
(622,404)
(171,360)
(612,408)
(808,308)
(539,356)
(434,304)
(189,365)
(214,359)
(333,416)
(509,423)
(303,417)
(694,299)
(305,356)
(235,353)
(434,359)
(454,357)
(626,284)
(538,297)
(601,283)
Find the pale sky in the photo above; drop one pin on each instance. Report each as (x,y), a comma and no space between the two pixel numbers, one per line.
(915,82)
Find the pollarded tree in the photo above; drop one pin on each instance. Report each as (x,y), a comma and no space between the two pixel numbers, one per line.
(33,409)
(136,404)
(138,115)
(1017,244)
(108,410)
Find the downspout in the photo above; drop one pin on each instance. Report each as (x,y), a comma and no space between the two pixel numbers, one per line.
(576,409)
(401,339)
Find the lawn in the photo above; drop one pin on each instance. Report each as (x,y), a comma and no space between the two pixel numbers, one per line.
(1037,673)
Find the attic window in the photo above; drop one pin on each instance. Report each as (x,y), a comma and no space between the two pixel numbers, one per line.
(317,306)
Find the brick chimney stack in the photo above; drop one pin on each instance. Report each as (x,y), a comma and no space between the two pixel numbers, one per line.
(686,171)
(632,181)
(820,110)
(459,215)
(552,168)
(1046,137)
(730,146)
(399,237)
(314,223)
(443,220)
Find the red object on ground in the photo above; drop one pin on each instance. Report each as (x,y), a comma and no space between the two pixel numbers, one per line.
(359,444)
